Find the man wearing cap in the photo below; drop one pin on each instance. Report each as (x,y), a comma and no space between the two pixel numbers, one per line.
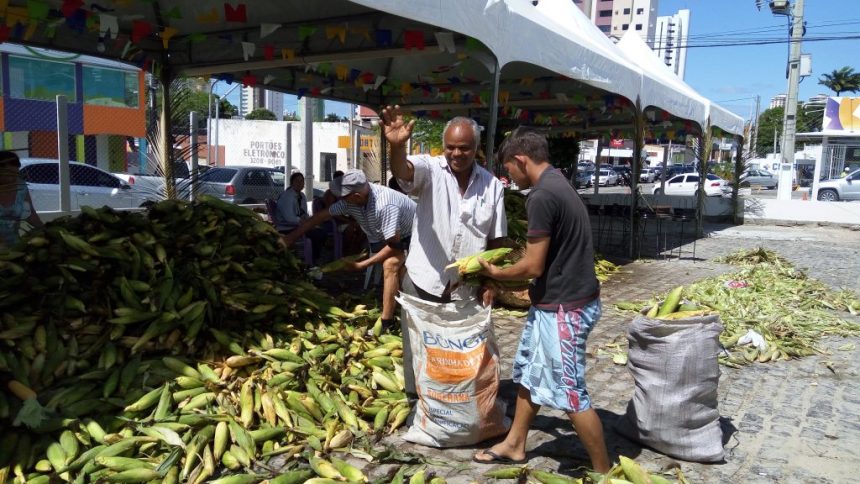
(385,215)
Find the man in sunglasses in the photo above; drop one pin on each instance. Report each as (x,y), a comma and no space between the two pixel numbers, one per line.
(385,215)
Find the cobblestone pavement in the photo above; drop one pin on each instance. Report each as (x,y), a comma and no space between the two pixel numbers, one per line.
(794,421)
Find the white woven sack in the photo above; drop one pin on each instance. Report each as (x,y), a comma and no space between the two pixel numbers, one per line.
(675,368)
(456,364)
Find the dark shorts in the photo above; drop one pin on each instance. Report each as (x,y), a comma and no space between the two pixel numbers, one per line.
(377,246)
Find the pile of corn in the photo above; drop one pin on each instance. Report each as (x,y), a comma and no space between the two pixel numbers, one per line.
(181,345)
(515,211)
(790,310)
(626,471)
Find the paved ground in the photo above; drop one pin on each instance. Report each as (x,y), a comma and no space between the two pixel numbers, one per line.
(793,421)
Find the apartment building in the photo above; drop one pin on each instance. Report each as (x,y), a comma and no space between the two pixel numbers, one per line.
(670,39)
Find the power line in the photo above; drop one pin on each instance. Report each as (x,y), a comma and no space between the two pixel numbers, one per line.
(751,42)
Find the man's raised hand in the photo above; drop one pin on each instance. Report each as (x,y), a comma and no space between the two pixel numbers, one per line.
(397,130)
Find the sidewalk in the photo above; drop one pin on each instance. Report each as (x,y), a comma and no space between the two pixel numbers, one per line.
(794,421)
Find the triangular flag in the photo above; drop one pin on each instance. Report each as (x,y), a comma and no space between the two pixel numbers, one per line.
(338,31)
(288,54)
(268,51)
(306,31)
(561,97)
(195,37)
(341,71)
(504,97)
(269,78)
(108,25)
(472,44)
(239,13)
(248,49)
(4,33)
(386,89)
(268,29)
(362,31)
(378,82)
(36,9)
(324,68)
(301,93)
(139,30)
(70,7)
(446,42)
(383,38)
(174,13)
(168,34)
(366,87)
(413,39)
(249,80)
(209,17)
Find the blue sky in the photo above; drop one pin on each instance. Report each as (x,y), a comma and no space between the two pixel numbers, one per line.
(732,75)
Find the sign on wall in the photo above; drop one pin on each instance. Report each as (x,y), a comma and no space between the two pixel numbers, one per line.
(842,114)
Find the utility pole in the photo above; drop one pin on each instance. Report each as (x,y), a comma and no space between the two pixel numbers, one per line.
(786,168)
(755,132)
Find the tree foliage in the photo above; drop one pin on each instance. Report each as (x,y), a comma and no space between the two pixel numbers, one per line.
(334,118)
(771,120)
(428,133)
(261,114)
(841,80)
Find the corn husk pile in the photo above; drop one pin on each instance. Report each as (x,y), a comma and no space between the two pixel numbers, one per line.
(768,295)
(182,345)
(515,211)
(603,268)
(627,470)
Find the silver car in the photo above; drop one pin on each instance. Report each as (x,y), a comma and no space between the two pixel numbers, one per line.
(759,178)
(89,185)
(836,189)
(236,184)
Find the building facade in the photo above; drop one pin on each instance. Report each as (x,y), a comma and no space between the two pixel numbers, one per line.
(670,39)
(778,101)
(106,104)
(637,15)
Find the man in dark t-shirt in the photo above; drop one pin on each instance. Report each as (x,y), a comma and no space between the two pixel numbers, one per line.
(550,363)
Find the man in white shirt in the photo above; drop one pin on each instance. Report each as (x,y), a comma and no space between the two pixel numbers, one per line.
(460,212)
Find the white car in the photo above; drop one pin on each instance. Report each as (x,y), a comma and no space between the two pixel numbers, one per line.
(88,186)
(607,177)
(688,184)
(647,175)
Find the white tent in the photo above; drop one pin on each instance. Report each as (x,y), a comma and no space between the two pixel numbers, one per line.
(635,49)
(654,90)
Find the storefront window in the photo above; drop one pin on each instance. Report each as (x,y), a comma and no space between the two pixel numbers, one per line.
(110,87)
(40,79)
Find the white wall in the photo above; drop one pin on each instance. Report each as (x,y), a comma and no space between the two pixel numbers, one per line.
(264,143)
(844,213)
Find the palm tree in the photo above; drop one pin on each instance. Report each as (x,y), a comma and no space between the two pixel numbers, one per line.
(842,80)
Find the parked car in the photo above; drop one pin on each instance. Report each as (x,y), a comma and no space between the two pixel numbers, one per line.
(647,175)
(89,185)
(583,179)
(239,184)
(758,178)
(671,171)
(688,184)
(836,189)
(606,177)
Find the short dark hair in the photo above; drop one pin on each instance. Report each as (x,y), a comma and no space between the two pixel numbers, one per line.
(337,174)
(7,156)
(524,141)
(294,176)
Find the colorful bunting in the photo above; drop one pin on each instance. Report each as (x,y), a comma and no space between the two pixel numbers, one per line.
(174,13)
(361,31)
(378,82)
(446,42)
(70,7)
(288,54)
(268,29)
(268,51)
(238,14)
(140,29)
(306,31)
(248,49)
(472,44)
(37,9)
(301,93)
(269,78)
(383,38)
(167,34)
(196,37)
(108,26)
(249,80)
(386,89)
(341,71)
(209,17)
(413,39)
(4,33)
(324,68)
(338,31)
(228,78)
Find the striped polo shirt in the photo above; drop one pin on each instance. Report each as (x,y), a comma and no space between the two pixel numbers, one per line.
(387,213)
(449,226)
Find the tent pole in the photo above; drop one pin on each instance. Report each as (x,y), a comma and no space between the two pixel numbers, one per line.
(704,154)
(494,118)
(736,183)
(638,146)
